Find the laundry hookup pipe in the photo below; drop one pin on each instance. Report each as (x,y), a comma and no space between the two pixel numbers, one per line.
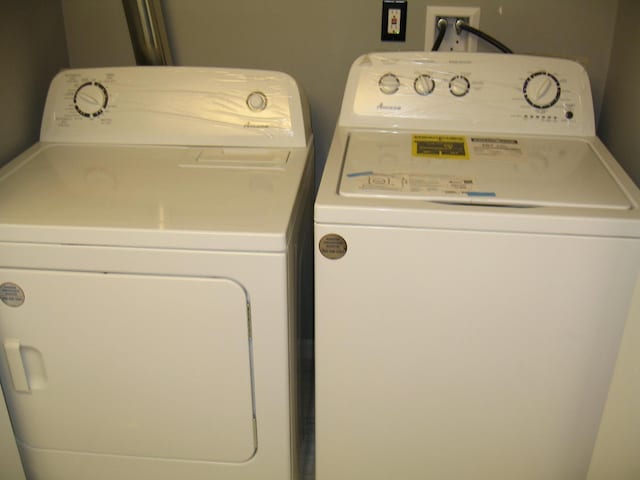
(148,32)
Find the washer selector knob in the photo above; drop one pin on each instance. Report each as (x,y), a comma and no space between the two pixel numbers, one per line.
(459,86)
(389,84)
(541,89)
(257,101)
(424,84)
(91,99)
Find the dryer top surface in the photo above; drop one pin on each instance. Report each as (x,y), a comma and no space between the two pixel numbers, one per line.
(176,197)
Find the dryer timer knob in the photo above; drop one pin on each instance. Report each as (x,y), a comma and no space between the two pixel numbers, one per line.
(91,99)
(256,101)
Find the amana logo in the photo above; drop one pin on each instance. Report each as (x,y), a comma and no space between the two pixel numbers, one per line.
(382,106)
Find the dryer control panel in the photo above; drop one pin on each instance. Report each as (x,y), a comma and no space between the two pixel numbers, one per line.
(469,92)
(175,106)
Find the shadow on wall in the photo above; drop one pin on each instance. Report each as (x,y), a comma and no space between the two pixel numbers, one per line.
(32,44)
(620,116)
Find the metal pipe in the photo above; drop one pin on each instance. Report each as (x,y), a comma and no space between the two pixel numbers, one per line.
(148,32)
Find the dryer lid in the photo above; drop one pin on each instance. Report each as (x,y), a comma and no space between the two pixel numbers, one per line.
(504,171)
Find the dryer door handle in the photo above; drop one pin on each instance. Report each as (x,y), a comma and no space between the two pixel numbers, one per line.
(12,349)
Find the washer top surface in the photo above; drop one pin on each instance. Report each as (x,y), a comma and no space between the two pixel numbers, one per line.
(175,197)
(479,169)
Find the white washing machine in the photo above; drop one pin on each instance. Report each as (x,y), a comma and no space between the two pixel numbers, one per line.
(477,249)
(150,247)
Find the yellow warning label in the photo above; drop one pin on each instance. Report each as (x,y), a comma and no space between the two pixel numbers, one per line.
(440,146)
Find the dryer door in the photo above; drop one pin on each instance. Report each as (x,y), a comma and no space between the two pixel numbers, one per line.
(139,365)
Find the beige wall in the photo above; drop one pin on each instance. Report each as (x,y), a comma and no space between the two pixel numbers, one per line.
(97,34)
(620,120)
(33,50)
(617,453)
(316,41)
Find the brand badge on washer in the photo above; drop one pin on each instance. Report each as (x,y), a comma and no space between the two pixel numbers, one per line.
(11,294)
(333,246)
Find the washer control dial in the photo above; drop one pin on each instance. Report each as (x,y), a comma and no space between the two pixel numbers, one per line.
(541,89)
(424,84)
(257,101)
(459,86)
(91,99)
(389,84)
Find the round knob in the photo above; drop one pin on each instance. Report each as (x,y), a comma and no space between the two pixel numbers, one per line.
(424,84)
(541,90)
(91,99)
(257,101)
(389,84)
(459,86)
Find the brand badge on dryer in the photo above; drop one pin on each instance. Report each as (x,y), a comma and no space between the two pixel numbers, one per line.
(11,294)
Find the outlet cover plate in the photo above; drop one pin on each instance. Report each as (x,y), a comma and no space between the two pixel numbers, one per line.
(391,9)
(467,43)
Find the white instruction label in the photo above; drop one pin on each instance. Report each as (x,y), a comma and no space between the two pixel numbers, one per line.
(412,182)
(496,147)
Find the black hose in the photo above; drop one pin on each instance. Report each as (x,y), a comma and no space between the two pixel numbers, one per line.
(442,29)
(460,25)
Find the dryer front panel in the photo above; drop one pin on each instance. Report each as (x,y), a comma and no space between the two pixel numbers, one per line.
(134,365)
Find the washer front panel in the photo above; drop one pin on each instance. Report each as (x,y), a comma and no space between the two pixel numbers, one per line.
(461,354)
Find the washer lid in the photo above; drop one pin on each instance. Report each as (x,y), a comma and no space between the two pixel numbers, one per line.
(173,197)
(503,171)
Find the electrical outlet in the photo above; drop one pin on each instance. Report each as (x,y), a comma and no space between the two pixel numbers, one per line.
(394,20)
(452,42)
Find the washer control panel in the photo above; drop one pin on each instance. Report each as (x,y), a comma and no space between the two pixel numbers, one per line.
(469,92)
(542,89)
(175,106)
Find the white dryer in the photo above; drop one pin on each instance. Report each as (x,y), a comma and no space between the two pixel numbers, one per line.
(477,249)
(150,248)
(10,464)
